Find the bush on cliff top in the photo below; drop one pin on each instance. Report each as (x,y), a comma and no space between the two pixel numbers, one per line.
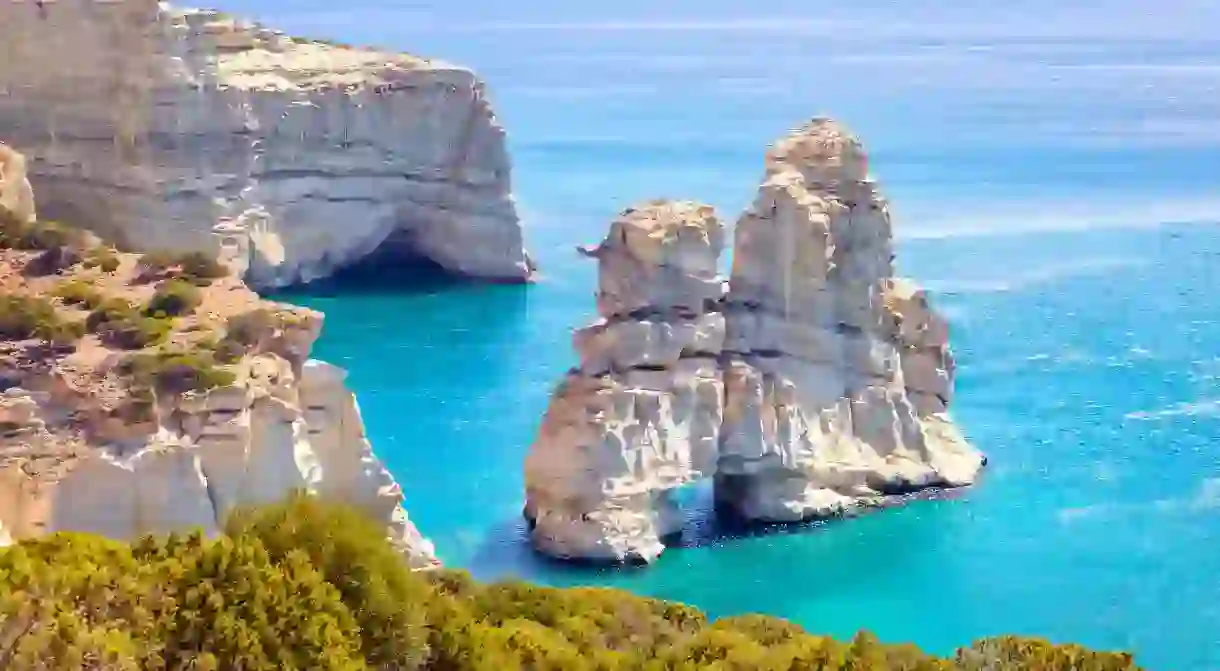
(34,317)
(79,292)
(119,323)
(301,585)
(176,372)
(195,267)
(102,257)
(174,298)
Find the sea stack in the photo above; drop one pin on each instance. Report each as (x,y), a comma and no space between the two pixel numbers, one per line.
(183,130)
(817,385)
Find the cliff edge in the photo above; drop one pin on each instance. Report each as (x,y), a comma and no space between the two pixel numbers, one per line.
(143,394)
(813,383)
(189,130)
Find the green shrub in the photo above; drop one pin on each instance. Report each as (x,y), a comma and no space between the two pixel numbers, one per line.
(27,317)
(79,292)
(12,229)
(47,235)
(104,258)
(174,298)
(176,372)
(37,236)
(200,266)
(306,585)
(120,324)
(195,267)
(243,331)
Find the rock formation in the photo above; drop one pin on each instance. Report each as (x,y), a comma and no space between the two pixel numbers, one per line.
(185,130)
(816,385)
(224,410)
(16,196)
(642,413)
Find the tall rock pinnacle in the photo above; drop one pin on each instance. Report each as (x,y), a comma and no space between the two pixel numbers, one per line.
(816,385)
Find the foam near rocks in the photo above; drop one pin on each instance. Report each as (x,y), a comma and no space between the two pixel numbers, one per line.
(817,384)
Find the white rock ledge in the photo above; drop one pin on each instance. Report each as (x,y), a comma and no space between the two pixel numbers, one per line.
(816,384)
(187,129)
(249,444)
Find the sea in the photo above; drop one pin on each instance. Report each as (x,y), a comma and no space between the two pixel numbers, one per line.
(1054,173)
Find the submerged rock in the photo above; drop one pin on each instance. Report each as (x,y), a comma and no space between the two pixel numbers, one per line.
(816,385)
(292,157)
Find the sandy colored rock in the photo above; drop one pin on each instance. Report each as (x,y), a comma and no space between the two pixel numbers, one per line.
(16,196)
(87,445)
(818,385)
(642,413)
(183,130)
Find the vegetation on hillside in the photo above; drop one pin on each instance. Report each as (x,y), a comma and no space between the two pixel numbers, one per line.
(176,371)
(143,327)
(34,317)
(302,585)
(194,267)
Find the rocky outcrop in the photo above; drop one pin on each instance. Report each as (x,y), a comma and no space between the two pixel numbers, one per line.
(817,385)
(252,443)
(642,413)
(226,411)
(185,130)
(16,197)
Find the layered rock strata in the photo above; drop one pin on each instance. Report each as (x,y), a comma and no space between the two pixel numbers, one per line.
(185,130)
(88,444)
(642,413)
(817,385)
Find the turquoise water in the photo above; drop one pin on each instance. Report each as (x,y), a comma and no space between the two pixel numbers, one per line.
(1054,175)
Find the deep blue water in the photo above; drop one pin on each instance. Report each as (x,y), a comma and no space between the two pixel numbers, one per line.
(1054,176)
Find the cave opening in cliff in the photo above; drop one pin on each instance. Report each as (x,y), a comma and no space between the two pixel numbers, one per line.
(390,268)
(693,509)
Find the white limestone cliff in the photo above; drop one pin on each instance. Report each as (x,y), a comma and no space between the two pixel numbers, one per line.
(641,415)
(276,431)
(87,444)
(187,129)
(819,385)
(16,196)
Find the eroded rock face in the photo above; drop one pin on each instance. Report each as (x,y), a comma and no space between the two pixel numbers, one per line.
(186,130)
(274,432)
(819,383)
(641,415)
(87,445)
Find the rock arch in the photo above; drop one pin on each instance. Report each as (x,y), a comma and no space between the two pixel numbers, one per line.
(810,384)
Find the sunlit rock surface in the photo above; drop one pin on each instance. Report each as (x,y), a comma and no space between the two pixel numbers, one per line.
(177,129)
(817,385)
(85,446)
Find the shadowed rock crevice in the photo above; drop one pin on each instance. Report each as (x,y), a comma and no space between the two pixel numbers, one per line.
(813,384)
(394,267)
